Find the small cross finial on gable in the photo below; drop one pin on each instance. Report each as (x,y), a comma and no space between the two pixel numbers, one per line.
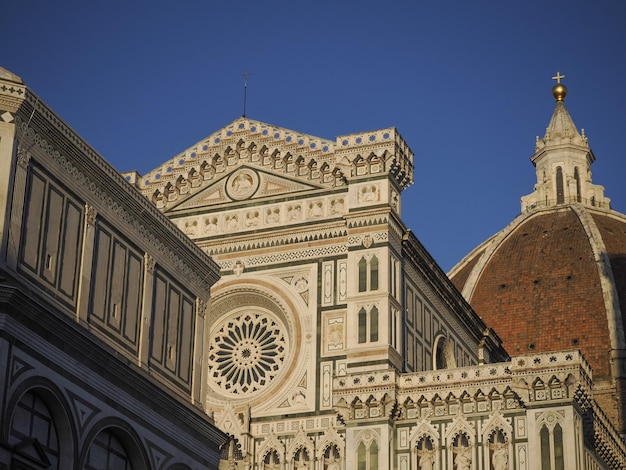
(558,77)
(245,90)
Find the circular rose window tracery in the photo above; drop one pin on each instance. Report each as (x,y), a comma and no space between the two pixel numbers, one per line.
(246,353)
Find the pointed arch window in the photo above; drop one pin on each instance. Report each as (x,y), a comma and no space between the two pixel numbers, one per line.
(374,273)
(362,275)
(301,459)
(552,452)
(373,454)
(368,325)
(367,456)
(577,179)
(362,326)
(560,194)
(546,458)
(361,457)
(559,462)
(394,277)
(368,274)
(374,324)
(271,460)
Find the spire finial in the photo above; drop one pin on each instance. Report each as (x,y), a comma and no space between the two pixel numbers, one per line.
(245,90)
(558,77)
(559,91)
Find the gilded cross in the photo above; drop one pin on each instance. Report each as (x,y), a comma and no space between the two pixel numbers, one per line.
(558,77)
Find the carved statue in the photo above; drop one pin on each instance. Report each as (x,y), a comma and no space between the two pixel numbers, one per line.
(463,459)
(301,465)
(500,458)
(332,463)
(427,459)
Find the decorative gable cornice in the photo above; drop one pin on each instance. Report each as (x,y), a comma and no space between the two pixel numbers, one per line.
(314,161)
(243,142)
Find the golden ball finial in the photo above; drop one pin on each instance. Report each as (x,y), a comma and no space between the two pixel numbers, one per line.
(559,91)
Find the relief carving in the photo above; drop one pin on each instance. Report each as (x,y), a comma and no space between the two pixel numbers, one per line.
(90,215)
(272,215)
(242,184)
(210,225)
(368,194)
(251,219)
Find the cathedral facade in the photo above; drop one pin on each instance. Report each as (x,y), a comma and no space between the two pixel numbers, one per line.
(335,339)
(284,316)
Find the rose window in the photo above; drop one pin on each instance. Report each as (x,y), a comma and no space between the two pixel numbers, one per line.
(246,353)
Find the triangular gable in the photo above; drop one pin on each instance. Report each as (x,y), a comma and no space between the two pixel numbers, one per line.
(244,142)
(243,183)
(243,131)
(296,156)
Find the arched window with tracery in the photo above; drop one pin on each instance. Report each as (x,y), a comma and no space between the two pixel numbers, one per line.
(271,461)
(32,424)
(301,459)
(108,451)
(552,453)
(552,456)
(231,451)
(367,456)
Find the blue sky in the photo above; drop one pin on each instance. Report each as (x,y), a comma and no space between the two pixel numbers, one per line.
(467,84)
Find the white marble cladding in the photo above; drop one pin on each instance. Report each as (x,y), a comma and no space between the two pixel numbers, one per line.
(317,423)
(231,136)
(549,363)
(385,144)
(366,380)
(254,218)
(244,140)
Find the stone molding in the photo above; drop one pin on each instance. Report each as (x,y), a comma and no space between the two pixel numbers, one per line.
(109,199)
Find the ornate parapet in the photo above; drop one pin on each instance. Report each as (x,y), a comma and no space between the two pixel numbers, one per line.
(243,142)
(603,438)
(382,151)
(366,395)
(547,378)
(492,411)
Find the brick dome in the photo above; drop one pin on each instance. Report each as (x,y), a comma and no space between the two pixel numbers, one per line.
(555,277)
